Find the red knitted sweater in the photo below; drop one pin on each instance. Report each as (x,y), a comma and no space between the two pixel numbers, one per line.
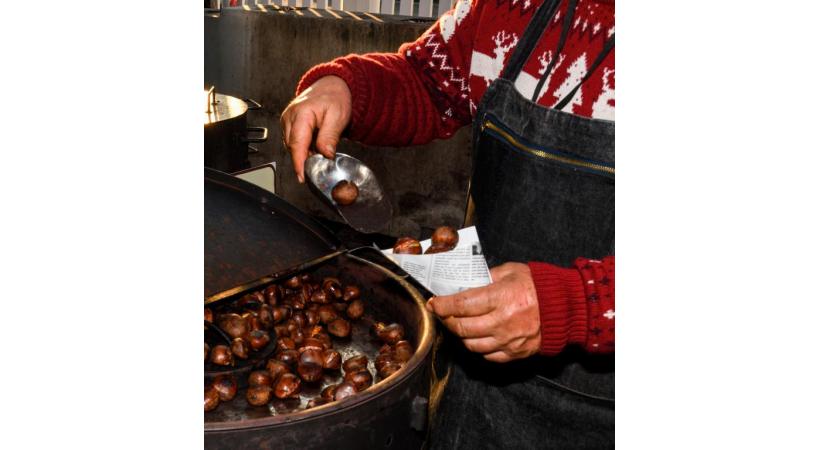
(430,88)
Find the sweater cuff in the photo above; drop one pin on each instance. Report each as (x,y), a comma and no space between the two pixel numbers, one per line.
(562,305)
(352,75)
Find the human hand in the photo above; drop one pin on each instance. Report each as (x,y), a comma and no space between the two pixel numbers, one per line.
(501,320)
(326,105)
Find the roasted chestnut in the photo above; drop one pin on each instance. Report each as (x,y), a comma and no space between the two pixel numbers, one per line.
(355,309)
(295,301)
(320,297)
(339,328)
(280,313)
(287,356)
(355,363)
(285,343)
(207,349)
(340,307)
(407,246)
(272,294)
(253,323)
(225,385)
(325,338)
(403,351)
(299,319)
(312,343)
(240,348)
(329,392)
(333,288)
(209,315)
(293,282)
(309,372)
(221,355)
(258,395)
(345,192)
(259,339)
(311,317)
(276,368)
(260,378)
(288,385)
(211,398)
(389,369)
(344,390)
(265,317)
(436,249)
(327,314)
(331,359)
(445,237)
(311,356)
(351,292)
(391,333)
(298,336)
(383,360)
(234,325)
(360,379)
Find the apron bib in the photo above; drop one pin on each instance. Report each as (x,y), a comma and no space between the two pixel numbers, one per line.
(543,189)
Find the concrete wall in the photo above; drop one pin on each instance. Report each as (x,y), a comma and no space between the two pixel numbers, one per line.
(262,55)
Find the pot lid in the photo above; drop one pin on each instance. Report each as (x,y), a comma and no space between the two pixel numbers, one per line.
(251,235)
(219,107)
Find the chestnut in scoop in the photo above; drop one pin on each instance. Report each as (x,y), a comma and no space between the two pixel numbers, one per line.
(345,192)
(407,246)
(211,398)
(314,402)
(329,392)
(221,355)
(258,395)
(225,385)
(309,372)
(289,385)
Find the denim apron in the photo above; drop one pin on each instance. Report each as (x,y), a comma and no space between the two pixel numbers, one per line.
(544,190)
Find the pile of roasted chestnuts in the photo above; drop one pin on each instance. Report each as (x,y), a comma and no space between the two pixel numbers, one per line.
(444,239)
(306,316)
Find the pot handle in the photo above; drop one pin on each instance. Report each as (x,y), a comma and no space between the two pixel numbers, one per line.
(253,105)
(262,138)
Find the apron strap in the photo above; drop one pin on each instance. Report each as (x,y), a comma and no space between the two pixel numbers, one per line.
(610,43)
(529,39)
(568,16)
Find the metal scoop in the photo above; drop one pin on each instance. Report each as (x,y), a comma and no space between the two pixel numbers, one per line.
(371,212)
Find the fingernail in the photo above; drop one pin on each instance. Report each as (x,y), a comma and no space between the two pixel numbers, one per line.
(301,178)
(332,151)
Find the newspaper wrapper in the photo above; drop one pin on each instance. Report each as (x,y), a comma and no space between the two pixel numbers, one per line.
(447,273)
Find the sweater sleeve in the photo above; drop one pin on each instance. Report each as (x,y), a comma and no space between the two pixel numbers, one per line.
(577,305)
(415,95)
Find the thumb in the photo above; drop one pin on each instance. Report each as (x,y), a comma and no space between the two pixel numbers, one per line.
(330,131)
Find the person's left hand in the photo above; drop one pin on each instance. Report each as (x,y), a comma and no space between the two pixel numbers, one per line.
(500,321)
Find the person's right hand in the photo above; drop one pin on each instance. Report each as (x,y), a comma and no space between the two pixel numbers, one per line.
(326,105)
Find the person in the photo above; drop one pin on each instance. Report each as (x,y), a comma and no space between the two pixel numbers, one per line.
(535,364)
